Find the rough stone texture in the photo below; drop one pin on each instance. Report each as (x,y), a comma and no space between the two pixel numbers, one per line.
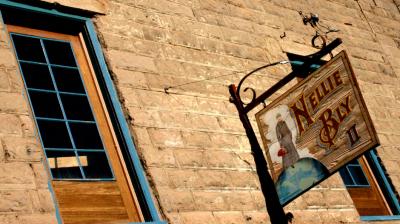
(96,6)
(191,140)
(24,193)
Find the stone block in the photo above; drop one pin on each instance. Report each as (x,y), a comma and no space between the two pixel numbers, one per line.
(240,200)
(159,177)
(215,179)
(10,124)
(233,217)
(41,174)
(130,61)
(190,158)
(22,149)
(166,138)
(15,201)
(220,159)
(9,219)
(4,81)
(244,179)
(45,218)
(13,103)
(16,175)
(185,178)
(315,199)
(28,126)
(7,58)
(210,201)
(46,201)
(256,217)
(197,217)
(197,139)
(177,200)
(158,157)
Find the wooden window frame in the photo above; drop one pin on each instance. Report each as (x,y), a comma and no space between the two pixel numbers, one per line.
(101,70)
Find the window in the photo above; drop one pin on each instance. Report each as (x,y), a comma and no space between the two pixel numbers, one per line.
(95,172)
(365,180)
(64,117)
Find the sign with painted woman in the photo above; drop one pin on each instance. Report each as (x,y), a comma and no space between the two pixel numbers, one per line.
(316,127)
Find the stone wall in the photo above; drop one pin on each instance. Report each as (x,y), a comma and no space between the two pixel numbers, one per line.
(24,194)
(191,141)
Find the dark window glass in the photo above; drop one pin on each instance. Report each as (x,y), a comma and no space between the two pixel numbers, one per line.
(68,80)
(28,48)
(76,107)
(95,164)
(346,177)
(59,53)
(354,162)
(86,136)
(63,164)
(54,134)
(37,76)
(358,175)
(45,104)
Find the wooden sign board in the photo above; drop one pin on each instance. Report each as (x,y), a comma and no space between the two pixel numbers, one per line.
(315,128)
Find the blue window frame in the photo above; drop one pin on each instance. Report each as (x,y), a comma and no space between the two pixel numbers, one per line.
(61,109)
(132,160)
(353,175)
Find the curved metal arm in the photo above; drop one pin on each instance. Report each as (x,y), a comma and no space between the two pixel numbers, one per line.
(253,91)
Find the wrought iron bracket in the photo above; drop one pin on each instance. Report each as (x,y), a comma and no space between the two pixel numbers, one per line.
(301,72)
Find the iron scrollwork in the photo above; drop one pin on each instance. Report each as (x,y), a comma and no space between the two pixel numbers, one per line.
(252,90)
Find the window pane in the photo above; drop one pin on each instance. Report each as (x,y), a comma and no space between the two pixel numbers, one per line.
(37,76)
(358,175)
(54,134)
(63,164)
(59,53)
(45,104)
(95,164)
(354,162)
(85,136)
(76,107)
(68,80)
(28,48)
(346,177)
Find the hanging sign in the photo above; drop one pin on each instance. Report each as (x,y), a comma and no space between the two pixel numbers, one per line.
(315,128)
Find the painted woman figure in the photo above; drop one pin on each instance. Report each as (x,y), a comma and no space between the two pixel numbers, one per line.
(284,136)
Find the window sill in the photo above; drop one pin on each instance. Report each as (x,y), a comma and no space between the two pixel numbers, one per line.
(380,218)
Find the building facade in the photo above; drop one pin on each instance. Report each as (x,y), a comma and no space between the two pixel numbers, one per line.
(117,111)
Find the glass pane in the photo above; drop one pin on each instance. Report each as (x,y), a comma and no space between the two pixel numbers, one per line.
(85,136)
(95,164)
(358,175)
(346,177)
(54,134)
(45,104)
(68,80)
(37,76)
(28,48)
(76,107)
(354,162)
(63,164)
(59,53)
